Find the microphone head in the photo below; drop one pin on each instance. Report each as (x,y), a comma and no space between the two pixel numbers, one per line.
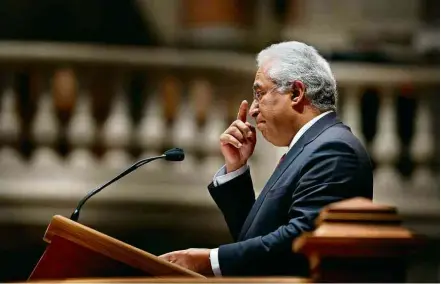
(175,154)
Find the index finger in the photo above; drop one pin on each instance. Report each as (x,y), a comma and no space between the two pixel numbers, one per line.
(243,110)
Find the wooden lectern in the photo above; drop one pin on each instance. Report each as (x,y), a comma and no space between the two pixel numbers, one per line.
(357,240)
(77,251)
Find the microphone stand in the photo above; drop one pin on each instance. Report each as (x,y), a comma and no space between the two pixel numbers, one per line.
(76,214)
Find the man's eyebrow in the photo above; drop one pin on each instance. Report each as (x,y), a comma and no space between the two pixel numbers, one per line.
(257,86)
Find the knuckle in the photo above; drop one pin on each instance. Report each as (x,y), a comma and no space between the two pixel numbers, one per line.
(227,131)
(234,131)
(229,138)
(233,128)
(240,123)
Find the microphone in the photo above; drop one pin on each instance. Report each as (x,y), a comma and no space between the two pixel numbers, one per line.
(175,155)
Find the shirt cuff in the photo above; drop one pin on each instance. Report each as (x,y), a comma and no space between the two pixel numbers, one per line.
(222,177)
(214,260)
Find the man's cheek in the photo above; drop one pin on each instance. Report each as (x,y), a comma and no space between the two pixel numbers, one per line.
(269,113)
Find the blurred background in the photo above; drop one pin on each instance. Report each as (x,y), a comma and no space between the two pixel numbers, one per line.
(88,87)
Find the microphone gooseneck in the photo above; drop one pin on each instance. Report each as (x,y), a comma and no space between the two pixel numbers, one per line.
(175,154)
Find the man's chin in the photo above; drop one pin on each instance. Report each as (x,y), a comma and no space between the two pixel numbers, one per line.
(262,129)
(260,125)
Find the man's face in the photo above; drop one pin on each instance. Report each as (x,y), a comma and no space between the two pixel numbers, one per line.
(272,110)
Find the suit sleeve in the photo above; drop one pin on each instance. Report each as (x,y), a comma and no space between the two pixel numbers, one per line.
(235,199)
(328,176)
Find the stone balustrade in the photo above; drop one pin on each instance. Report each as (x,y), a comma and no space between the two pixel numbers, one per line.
(73,116)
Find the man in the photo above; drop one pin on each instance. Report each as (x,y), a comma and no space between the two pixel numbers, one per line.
(294,105)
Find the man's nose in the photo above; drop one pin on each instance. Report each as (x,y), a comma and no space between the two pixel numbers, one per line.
(254,109)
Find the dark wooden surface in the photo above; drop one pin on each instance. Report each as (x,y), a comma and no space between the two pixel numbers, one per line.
(93,253)
(65,259)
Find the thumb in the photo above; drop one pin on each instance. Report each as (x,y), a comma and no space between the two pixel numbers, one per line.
(166,256)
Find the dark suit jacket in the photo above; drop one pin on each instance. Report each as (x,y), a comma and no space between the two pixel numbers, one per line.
(327,164)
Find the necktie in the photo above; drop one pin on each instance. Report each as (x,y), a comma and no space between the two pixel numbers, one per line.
(281,159)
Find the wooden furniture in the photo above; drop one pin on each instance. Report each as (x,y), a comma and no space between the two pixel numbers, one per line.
(357,240)
(77,251)
(188,280)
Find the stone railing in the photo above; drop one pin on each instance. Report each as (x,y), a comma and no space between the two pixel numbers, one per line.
(73,116)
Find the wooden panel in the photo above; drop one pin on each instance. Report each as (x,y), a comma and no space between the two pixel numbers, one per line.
(358,205)
(358,241)
(360,269)
(113,248)
(362,231)
(355,247)
(65,259)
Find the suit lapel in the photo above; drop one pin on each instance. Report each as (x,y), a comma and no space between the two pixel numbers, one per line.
(312,133)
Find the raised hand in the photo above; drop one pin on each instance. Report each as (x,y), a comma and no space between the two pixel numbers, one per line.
(237,143)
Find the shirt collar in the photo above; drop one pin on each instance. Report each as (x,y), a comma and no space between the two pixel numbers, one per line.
(305,128)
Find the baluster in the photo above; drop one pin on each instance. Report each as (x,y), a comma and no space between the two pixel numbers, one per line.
(10,159)
(422,148)
(201,96)
(64,92)
(9,118)
(185,128)
(170,89)
(214,128)
(185,135)
(351,110)
(45,125)
(116,133)
(210,110)
(386,149)
(45,132)
(151,131)
(81,133)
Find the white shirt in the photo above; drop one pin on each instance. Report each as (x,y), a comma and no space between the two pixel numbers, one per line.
(222,177)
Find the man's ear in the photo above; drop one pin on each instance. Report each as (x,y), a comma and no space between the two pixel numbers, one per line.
(297,91)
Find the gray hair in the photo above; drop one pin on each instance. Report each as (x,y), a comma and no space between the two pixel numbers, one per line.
(290,61)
